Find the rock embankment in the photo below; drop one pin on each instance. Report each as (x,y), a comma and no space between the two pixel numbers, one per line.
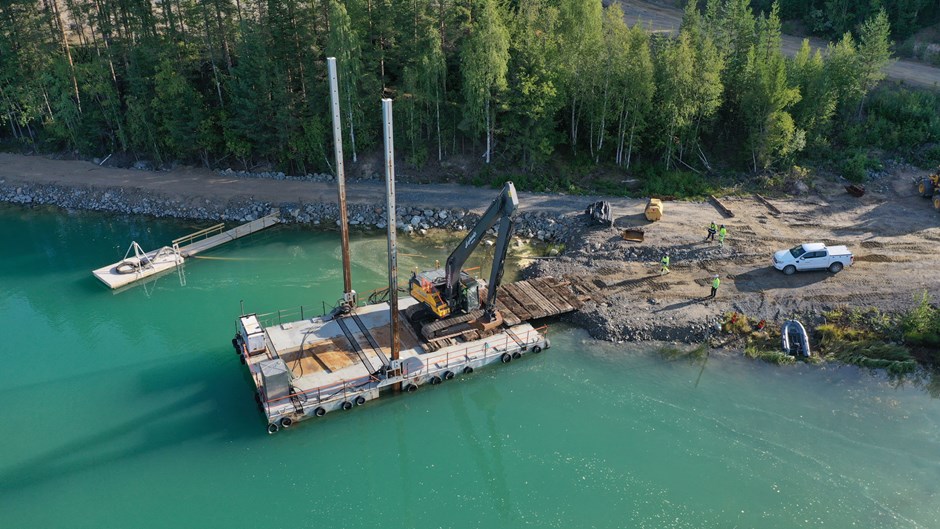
(409,219)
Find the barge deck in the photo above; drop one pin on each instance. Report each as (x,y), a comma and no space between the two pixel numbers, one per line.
(309,367)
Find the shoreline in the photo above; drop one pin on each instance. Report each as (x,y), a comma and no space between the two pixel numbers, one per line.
(635,305)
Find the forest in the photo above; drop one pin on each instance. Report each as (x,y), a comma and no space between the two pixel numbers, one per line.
(518,84)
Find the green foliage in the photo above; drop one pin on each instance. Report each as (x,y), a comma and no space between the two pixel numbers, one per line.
(684,184)
(899,120)
(855,167)
(517,82)
(921,325)
(863,337)
(695,354)
(484,64)
(767,97)
(761,350)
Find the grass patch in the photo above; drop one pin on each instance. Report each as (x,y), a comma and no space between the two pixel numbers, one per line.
(757,351)
(866,338)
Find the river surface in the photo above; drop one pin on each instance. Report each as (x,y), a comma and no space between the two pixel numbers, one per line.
(130,410)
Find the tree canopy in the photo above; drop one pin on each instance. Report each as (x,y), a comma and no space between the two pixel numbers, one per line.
(234,82)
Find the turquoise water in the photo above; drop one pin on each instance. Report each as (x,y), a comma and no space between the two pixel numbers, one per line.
(130,410)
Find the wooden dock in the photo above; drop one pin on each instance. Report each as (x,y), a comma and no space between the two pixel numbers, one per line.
(533,299)
(143,265)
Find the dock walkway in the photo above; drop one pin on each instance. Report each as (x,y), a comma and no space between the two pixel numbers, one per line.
(197,246)
(143,265)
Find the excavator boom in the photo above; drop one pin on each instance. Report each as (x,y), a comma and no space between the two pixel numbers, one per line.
(450,295)
(501,211)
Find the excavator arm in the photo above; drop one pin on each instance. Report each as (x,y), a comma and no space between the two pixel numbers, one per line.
(500,211)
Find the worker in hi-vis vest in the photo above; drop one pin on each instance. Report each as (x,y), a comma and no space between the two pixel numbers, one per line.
(715,283)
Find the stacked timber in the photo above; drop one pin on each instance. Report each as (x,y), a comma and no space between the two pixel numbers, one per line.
(534,299)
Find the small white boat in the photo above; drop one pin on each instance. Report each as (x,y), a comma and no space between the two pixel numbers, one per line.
(794,339)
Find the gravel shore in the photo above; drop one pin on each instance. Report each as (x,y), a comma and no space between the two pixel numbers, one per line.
(893,234)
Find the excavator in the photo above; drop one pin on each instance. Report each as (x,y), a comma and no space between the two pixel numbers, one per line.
(450,299)
(929,187)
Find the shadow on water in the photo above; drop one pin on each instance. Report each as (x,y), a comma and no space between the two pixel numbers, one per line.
(488,399)
(200,410)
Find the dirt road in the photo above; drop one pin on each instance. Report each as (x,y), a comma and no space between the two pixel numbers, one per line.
(894,234)
(197,185)
(665,19)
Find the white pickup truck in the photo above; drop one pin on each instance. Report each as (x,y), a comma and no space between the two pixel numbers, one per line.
(814,256)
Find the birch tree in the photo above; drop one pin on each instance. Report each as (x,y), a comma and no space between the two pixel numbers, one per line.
(484,63)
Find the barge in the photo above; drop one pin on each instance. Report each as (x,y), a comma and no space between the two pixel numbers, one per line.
(307,368)
(448,325)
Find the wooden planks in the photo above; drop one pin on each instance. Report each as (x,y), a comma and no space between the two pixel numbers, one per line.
(773,209)
(537,298)
(721,207)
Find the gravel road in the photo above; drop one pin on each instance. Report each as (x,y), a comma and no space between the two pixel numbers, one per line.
(894,234)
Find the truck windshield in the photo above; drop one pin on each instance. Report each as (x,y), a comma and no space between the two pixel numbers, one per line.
(797,251)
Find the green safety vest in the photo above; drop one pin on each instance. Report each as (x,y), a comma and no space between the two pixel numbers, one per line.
(715,283)
(665,261)
(723,232)
(713,227)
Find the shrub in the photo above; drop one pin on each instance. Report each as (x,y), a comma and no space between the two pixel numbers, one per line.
(678,183)
(921,324)
(854,168)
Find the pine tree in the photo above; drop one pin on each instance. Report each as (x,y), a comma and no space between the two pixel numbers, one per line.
(767,96)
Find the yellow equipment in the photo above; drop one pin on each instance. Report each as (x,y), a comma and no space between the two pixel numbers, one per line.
(929,187)
(424,290)
(452,295)
(654,209)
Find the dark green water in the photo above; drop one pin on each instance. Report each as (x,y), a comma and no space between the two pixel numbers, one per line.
(130,410)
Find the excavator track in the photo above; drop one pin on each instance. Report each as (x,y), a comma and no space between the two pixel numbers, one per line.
(448,327)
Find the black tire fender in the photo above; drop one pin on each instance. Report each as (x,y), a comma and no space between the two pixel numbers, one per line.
(286,422)
(360,400)
(273,428)
(346,405)
(411,388)
(448,375)
(320,411)
(435,380)
(467,370)
(517,354)
(536,349)
(505,358)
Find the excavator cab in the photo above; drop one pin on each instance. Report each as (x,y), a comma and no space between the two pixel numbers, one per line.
(428,287)
(452,295)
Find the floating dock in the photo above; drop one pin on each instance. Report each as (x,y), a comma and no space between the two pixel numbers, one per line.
(309,367)
(139,264)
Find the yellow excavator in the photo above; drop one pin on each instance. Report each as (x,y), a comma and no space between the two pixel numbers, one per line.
(450,302)
(929,187)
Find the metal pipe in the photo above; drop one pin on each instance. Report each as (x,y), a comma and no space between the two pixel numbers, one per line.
(340,177)
(392,233)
